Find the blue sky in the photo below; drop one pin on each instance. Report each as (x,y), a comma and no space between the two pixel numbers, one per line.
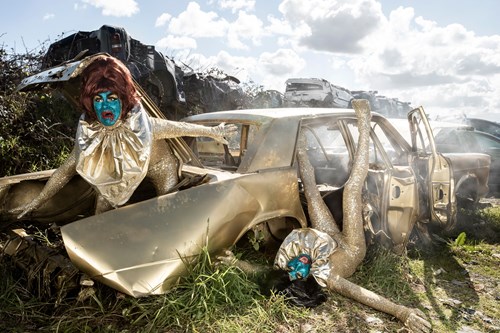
(444,55)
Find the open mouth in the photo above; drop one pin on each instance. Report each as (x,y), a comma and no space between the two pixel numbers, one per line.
(107,115)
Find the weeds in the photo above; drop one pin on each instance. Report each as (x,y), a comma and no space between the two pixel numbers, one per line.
(210,298)
(386,273)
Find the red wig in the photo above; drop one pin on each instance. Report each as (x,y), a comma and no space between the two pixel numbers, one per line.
(107,74)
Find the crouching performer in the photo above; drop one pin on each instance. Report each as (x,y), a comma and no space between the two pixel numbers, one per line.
(325,252)
(117,143)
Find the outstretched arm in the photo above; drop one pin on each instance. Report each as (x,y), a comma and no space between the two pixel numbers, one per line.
(166,129)
(56,182)
(229,259)
(414,319)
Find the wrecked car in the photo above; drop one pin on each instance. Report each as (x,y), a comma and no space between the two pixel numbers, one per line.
(465,139)
(158,75)
(142,247)
(249,185)
(456,141)
(315,93)
(406,185)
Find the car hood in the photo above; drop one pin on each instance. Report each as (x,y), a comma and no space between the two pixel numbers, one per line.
(142,248)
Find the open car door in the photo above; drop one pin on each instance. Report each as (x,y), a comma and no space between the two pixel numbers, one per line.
(435,171)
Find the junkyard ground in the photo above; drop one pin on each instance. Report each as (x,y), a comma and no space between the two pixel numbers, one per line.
(455,282)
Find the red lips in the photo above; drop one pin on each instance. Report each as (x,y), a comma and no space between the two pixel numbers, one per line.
(107,115)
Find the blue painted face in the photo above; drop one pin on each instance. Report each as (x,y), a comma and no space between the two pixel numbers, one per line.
(107,107)
(299,267)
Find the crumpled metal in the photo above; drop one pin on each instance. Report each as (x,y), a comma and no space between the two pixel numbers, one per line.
(115,159)
(318,245)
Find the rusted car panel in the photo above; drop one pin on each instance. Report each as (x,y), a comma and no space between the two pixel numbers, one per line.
(139,249)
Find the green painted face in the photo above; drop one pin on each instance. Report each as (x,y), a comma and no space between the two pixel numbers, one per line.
(108,107)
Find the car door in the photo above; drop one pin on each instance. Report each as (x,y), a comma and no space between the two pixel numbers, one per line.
(436,183)
(391,187)
(390,193)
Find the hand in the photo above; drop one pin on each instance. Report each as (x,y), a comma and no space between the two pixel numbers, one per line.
(22,211)
(223,132)
(417,322)
(227,259)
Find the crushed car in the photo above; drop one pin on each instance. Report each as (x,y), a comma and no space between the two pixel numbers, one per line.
(160,76)
(177,91)
(225,191)
(315,92)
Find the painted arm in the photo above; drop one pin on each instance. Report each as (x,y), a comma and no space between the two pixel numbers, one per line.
(414,319)
(229,259)
(56,182)
(166,129)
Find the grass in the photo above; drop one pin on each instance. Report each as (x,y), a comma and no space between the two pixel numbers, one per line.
(209,299)
(455,284)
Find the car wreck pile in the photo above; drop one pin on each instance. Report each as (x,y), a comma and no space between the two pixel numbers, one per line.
(344,172)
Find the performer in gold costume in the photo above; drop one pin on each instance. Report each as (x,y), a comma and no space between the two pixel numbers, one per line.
(117,143)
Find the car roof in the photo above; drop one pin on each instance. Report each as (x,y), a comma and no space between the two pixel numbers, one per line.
(269,114)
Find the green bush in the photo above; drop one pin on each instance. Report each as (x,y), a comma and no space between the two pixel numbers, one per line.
(36,129)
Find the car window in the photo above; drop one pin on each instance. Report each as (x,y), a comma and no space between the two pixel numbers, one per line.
(448,141)
(215,154)
(487,143)
(303,86)
(422,144)
(396,154)
(328,153)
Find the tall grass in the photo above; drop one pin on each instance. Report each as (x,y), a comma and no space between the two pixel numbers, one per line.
(210,298)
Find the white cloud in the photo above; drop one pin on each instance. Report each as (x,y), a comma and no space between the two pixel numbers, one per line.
(283,62)
(194,22)
(48,16)
(236,5)
(239,67)
(245,27)
(162,19)
(274,68)
(438,67)
(79,6)
(116,8)
(176,43)
(333,25)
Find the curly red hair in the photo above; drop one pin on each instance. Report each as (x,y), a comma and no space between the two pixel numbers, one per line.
(107,74)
